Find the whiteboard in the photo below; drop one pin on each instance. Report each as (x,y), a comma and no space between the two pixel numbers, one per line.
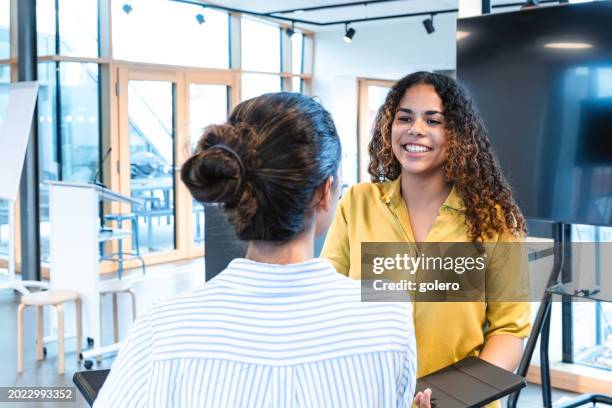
(14,135)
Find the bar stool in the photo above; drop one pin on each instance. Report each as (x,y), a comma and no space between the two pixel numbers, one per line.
(114,288)
(120,255)
(55,298)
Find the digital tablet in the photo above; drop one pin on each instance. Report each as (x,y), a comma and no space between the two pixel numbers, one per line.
(90,383)
(471,382)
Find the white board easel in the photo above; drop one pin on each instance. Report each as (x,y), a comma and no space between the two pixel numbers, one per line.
(14,137)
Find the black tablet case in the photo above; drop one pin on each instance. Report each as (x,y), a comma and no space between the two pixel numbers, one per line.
(89,383)
(469,383)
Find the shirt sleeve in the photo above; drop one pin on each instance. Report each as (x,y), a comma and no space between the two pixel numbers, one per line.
(336,247)
(507,288)
(128,381)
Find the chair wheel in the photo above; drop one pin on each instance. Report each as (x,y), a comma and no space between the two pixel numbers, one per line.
(88,364)
(90,342)
(44,351)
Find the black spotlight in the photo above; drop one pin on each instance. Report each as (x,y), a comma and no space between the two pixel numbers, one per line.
(428,24)
(127,9)
(200,19)
(290,30)
(348,34)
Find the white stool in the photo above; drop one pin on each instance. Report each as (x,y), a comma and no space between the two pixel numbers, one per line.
(55,298)
(113,288)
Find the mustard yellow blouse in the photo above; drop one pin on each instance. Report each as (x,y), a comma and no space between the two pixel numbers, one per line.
(445,331)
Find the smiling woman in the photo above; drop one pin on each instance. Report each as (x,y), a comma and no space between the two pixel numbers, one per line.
(435,179)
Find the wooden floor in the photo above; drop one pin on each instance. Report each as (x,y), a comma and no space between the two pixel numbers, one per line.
(160,282)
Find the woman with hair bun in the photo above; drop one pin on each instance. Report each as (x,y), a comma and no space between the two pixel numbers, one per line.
(278,328)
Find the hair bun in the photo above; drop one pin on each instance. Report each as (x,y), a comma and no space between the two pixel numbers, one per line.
(215,174)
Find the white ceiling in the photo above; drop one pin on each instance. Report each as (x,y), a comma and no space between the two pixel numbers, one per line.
(335,14)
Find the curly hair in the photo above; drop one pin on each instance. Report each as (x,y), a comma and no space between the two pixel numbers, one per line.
(470,163)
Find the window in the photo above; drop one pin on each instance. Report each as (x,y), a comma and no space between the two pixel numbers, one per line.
(260,46)
(146,32)
(151,138)
(48,146)
(257,84)
(592,321)
(168,32)
(208,104)
(4,227)
(5,23)
(78,27)
(372,94)
(68,152)
(297,61)
(79,121)
(45,27)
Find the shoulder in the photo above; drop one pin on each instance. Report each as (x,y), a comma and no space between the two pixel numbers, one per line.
(369,189)
(180,305)
(366,193)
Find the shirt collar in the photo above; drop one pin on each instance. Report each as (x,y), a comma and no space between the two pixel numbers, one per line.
(391,193)
(314,275)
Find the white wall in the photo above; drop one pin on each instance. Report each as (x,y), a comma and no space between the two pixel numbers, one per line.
(380,50)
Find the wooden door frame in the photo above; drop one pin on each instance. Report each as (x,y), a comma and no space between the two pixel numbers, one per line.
(119,174)
(363,130)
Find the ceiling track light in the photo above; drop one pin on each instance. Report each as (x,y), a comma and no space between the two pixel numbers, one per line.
(127,8)
(290,30)
(429,25)
(348,33)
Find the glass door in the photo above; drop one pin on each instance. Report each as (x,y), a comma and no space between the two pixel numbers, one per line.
(149,108)
(161,116)
(208,104)
(210,97)
(151,138)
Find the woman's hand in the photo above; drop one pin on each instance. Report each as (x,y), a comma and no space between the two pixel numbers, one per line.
(422,399)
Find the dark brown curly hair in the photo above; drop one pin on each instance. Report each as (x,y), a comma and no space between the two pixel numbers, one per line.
(470,163)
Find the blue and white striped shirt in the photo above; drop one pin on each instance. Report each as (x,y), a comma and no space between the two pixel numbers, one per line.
(262,335)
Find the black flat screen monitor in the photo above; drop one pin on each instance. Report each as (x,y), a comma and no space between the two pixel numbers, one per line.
(542,80)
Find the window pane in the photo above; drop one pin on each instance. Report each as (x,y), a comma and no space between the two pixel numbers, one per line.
(48,146)
(260,46)
(79,135)
(78,27)
(168,32)
(5,23)
(375,98)
(4,228)
(79,121)
(257,84)
(297,49)
(592,321)
(208,104)
(151,138)
(45,26)
(296,85)
(4,231)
